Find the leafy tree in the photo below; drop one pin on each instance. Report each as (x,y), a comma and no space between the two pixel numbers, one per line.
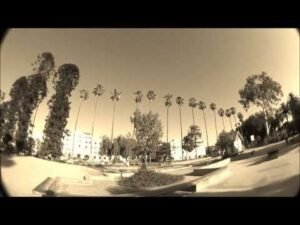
(226,142)
(106,146)
(59,106)
(190,141)
(168,104)
(263,92)
(148,132)
(294,106)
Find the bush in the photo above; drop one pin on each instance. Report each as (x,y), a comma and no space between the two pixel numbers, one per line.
(147,178)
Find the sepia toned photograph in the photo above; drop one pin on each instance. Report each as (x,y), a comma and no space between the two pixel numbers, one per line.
(158,112)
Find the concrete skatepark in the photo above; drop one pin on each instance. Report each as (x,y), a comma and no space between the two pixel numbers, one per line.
(253,175)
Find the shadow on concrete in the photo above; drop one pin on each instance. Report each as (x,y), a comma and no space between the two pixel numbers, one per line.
(6,160)
(120,190)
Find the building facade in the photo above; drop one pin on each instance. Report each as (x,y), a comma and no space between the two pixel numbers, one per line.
(82,145)
(179,154)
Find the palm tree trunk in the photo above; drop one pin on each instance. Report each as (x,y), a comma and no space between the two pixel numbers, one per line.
(75,128)
(193,116)
(93,125)
(223,123)
(234,120)
(150,106)
(205,128)
(180,132)
(216,125)
(113,120)
(167,124)
(230,122)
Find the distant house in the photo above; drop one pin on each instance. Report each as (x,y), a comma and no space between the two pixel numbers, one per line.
(238,141)
(178,154)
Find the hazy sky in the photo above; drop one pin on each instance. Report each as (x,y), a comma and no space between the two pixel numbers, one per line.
(208,64)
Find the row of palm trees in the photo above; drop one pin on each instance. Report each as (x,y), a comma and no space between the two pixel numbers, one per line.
(116,96)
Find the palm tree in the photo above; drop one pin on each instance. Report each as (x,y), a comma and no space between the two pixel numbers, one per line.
(98,91)
(202,106)
(84,95)
(233,112)
(241,118)
(180,101)
(221,114)
(228,114)
(193,104)
(138,98)
(168,104)
(115,96)
(151,96)
(213,107)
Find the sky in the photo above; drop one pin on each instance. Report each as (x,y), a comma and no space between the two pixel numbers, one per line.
(208,64)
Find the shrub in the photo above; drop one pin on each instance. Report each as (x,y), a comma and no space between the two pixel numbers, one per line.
(147,178)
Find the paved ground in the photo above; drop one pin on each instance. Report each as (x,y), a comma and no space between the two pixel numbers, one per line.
(248,177)
(258,176)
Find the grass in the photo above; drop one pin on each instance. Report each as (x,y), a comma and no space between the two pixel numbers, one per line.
(148,178)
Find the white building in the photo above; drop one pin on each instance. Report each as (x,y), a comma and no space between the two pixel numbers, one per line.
(82,145)
(177,152)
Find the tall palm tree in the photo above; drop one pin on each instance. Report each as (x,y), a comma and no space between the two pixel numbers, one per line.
(221,114)
(193,104)
(180,101)
(241,119)
(213,107)
(138,98)
(228,114)
(98,91)
(233,112)
(202,106)
(84,95)
(151,96)
(115,96)
(168,103)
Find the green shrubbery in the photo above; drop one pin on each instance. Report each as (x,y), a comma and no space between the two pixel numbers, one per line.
(147,178)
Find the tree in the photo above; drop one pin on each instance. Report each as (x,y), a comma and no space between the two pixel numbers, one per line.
(59,106)
(233,112)
(193,104)
(294,106)
(151,96)
(241,119)
(226,142)
(213,107)
(115,97)
(263,92)
(228,114)
(106,146)
(202,106)
(138,98)
(285,111)
(84,95)
(180,101)
(221,114)
(190,141)
(98,91)
(148,133)
(168,103)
